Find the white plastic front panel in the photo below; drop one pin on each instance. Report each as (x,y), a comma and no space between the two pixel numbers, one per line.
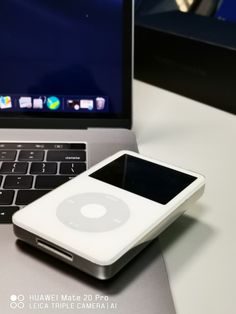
(99,233)
(102,248)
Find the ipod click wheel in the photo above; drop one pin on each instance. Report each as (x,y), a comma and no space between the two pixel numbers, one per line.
(101,219)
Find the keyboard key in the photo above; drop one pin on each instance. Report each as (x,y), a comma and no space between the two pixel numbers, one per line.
(6,197)
(14,168)
(73,155)
(8,155)
(50,182)
(1,180)
(24,197)
(6,213)
(72,168)
(30,155)
(43,168)
(18,182)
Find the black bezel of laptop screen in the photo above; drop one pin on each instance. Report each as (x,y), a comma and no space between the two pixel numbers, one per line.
(85,120)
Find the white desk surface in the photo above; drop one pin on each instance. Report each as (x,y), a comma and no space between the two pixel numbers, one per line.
(200,248)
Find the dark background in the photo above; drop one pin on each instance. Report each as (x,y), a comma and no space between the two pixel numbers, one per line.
(191,53)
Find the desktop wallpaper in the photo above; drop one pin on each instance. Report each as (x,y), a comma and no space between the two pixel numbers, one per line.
(59,53)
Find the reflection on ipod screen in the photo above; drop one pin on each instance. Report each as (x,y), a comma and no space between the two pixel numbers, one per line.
(147,179)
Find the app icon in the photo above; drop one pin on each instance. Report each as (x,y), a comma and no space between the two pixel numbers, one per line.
(100,103)
(73,104)
(25,102)
(5,102)
(53,103)
(38,103)
(86,104)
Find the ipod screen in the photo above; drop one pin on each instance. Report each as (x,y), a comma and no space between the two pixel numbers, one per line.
(144,178)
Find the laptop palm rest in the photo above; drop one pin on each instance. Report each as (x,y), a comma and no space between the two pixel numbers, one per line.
(141,287)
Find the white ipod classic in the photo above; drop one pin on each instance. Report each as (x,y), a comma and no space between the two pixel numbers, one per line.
(101,219)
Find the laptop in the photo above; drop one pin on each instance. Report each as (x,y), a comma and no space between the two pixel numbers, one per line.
(65,93)
(65,104)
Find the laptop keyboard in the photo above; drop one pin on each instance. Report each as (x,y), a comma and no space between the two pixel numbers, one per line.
(29,171)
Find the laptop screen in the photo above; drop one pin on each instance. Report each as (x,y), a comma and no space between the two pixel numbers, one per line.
(65,59)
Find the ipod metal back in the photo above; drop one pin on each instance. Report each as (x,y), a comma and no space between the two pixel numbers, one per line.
(101,219)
